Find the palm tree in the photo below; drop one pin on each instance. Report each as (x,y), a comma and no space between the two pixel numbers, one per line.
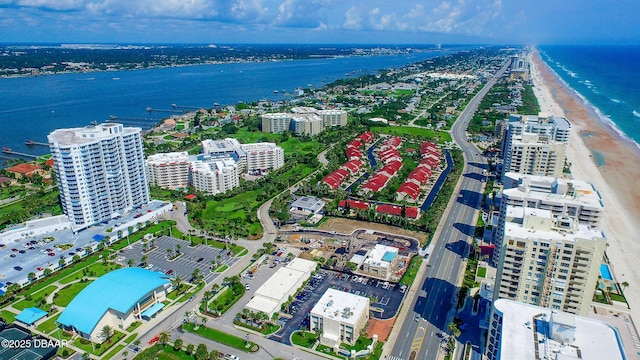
(190,348)
(187,315)
(176,282)
(130,228)
(624,285)
(163,338)
(47,272)
(31,276)
(195,274)
(178,246)
(177,345)
(130,263)
(106,332)
(214,355)
(203,320)
(454,329)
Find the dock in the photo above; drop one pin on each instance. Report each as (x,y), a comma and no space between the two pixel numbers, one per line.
(31,142)
(9,151)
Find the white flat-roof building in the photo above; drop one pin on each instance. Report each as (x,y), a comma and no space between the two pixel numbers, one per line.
(214,177)
(284,283)
(307,205)
(261,157)
(380,261)
(100,171)
(340,316)
(168,170)
(527,332)
(304,120)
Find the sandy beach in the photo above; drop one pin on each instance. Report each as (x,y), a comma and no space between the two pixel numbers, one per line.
(614,179)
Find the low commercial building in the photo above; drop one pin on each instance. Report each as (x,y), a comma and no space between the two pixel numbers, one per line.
(168,170)
(284,283)
(341,316)
(116,299)
(522,331)
(307,205)
(380,261)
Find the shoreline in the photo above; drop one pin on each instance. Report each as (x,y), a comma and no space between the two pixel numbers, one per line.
(614,180)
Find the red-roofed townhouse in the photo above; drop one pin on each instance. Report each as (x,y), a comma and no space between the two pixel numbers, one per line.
(412,212)
(409,191)
(393,142)
(355,144)
(391,168)
(389,155)
(431,162)
(353,204)
(332,181)
(353,166)
(419,175)
(375,183)
(353,154)
(366,136)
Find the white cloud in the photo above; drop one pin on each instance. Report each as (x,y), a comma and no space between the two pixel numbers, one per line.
(58,5)
(353,20)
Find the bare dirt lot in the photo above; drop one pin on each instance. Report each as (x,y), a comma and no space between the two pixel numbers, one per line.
(346,226)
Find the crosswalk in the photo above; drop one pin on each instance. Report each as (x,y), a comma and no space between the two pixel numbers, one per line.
(395,358)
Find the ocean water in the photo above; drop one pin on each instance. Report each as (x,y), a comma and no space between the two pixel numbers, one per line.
(607,79)
(32,107)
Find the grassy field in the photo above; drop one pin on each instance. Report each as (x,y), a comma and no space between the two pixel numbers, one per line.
(293,144)
(427,134)
(412,271)
(160,352)
(113,352)
(49,325)
(99,348)
(35,298)
(221,337)
(230,296)
(66,294)
(482,272)
(307,341)
(8,316)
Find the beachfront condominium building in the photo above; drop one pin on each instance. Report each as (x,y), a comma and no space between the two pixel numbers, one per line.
(549,261)
(528,332)
(303,121)
(340,317)
(519,68)
(168,170)
(100,171)
(214,177)
(535,144)
(528,154)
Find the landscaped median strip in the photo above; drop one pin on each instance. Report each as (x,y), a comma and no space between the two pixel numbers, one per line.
(221,337)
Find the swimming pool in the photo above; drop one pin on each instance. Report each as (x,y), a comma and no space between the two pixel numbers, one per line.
(605,272)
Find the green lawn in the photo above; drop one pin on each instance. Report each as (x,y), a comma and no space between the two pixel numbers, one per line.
(360,344)
(166,352)
(221,337)
(100,349)
(134,326)
(8,316)
(412,271)
(230,296)
(268,329)
(482,272)
(35,298)
(221,268)
(49,325)
(66,294)
(307,341)
(113,352)
(437,136)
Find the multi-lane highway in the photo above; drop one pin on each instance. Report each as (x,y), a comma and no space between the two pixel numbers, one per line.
(422,333)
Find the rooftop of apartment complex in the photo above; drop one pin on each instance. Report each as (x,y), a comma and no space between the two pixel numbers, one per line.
(533,332)
(89,134)
(341,306)
(168,158)
(542,224)
(548,188)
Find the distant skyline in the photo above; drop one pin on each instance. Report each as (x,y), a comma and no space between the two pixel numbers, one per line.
(321,21)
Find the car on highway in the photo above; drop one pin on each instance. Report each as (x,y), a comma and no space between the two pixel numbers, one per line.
(22,251)
(416,318)
(14,250)
(17,268)
(51,254)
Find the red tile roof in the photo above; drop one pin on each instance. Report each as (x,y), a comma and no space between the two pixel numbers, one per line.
(190,197)
(24,168)
(353,166)
(410,211)
(391,168)
(420,174)
(409,189)
(49,162)
(366,136)
(376,182)
(354,204)
(353,153)
(332,181)
(355,144)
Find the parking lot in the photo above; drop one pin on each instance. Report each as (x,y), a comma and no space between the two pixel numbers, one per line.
(198,257)
(386,299)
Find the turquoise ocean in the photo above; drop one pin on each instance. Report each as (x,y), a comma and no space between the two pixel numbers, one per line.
(606,78)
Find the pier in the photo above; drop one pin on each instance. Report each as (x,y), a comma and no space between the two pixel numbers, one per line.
(176,106)
(31,142)
(9,151)
(150,109)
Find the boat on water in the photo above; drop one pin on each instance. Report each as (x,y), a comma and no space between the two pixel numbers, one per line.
(275,91)
(6,149)
(29,142)
(115,78)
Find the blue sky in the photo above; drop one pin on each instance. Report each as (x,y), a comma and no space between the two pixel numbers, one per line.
(321,21)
